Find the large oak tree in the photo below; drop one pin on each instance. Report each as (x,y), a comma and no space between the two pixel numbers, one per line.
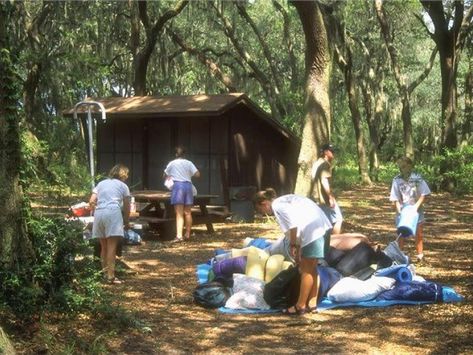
(317,119)
(15,247)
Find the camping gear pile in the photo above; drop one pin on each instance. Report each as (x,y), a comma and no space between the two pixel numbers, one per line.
(261,277)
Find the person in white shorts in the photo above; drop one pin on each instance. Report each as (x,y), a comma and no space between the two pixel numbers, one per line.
(110,203)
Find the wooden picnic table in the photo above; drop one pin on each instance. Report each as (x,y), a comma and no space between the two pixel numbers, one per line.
(159,213)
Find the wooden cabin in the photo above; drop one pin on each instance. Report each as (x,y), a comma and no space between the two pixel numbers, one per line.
(231,140)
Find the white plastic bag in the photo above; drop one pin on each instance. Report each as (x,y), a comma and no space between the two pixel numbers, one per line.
(169,183)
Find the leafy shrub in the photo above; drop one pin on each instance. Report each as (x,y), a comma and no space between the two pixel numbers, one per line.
(387,172)
(61,278)
(346,175)
(453,165)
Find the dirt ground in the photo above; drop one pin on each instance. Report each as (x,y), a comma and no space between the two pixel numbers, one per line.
(160,278)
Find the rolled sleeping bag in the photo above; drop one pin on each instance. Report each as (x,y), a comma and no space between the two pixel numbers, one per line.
(260,243)
(407,224)
(256,262)
(400,273)
(286,265)
(280,246)
(228,267)
(328,277)
(403,275)
(239,252)
(274,265)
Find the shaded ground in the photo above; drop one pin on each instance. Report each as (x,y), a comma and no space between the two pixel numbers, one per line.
(160,280)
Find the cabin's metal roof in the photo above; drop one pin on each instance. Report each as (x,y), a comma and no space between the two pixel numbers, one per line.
(176,106)
(164,105)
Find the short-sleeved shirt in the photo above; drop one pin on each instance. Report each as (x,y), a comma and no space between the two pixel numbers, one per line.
(180,170)
(407,192)
(320,170)
(110,193)
(294,211)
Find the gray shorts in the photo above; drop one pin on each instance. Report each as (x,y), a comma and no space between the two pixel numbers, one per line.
(333,214)
(108,222)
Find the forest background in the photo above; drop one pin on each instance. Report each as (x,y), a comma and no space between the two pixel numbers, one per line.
(377,79)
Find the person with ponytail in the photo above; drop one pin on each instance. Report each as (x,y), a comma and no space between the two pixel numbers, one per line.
(308,230)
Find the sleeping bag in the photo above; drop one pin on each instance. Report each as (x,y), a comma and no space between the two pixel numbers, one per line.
(227,267)
(414,291)
(358,258)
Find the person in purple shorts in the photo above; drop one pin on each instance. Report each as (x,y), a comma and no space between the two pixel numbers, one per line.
(182,171)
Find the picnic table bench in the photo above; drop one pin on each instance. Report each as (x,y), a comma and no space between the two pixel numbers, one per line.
(156,210)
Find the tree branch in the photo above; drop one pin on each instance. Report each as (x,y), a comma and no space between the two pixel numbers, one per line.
(425,73)
(211,65)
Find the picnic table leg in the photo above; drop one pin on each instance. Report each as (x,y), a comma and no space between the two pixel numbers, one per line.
(205,215)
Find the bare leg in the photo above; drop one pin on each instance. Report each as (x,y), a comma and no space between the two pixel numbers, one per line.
(179,220)
(103,254)
(314,292)
(309,281)
(401,243)
(112,243)
(188,220)
(337,228)
(420,239)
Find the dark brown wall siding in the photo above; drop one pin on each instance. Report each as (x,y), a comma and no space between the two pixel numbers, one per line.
(259,155)
(255,153)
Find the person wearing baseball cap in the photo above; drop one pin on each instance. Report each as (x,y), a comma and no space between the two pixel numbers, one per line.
(320,187)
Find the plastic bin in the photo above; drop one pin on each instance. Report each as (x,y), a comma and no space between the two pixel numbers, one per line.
(241,203)
(407,224)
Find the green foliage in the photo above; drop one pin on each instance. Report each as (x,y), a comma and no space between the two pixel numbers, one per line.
(387,172)
(452,165)
(61,278)
(52,164)
(458,164)
(346,174)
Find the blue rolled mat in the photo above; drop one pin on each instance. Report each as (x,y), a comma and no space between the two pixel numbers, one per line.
(404,274)
(399,272)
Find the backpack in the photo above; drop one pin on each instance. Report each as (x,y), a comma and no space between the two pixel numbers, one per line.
(211,294)
(283,290)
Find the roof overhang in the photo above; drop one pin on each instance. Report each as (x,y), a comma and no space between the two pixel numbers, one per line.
(201,105)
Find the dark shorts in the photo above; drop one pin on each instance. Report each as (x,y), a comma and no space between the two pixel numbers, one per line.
(181,193)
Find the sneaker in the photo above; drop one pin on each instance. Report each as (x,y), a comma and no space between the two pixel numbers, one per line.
(420,257)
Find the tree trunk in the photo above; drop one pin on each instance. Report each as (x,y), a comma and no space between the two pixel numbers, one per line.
(15,247)
(6,346)
(468,121)
(346,66)
(317,119)
(401,83)
(449,36)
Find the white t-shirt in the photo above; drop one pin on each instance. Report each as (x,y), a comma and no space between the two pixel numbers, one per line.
(293,211)
(180,169)
(110,193)
(408,192)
